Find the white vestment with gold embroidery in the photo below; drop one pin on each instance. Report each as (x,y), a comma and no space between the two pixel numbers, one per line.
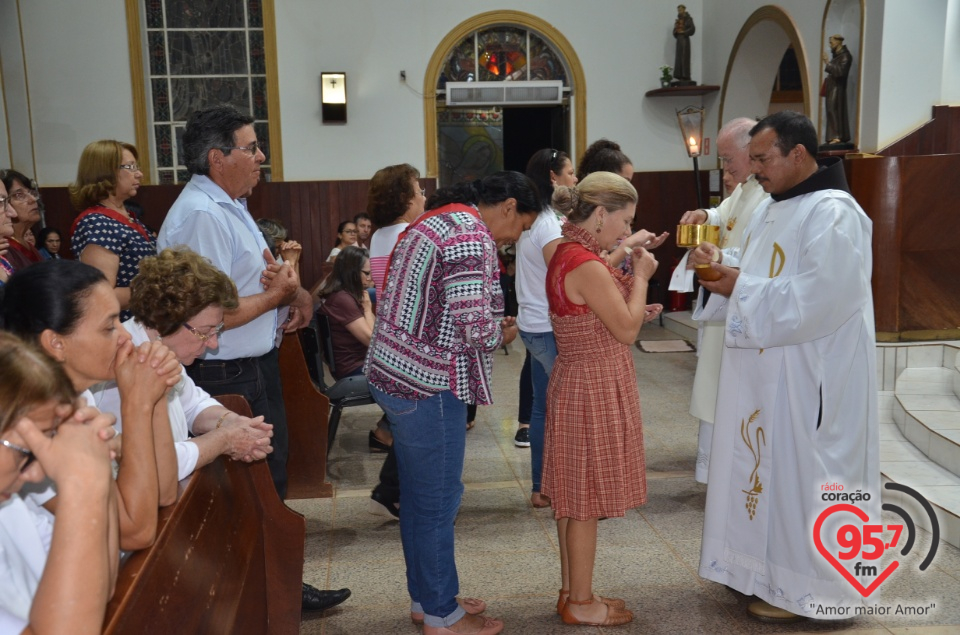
(797,404)
(732,215)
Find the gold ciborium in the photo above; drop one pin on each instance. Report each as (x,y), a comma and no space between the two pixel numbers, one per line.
(690,237)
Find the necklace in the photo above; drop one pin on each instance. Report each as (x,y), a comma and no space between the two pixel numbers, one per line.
(120,209)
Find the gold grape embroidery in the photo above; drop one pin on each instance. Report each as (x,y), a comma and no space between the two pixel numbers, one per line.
(753,494)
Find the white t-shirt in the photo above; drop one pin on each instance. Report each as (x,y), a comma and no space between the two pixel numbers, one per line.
(531,279)
(26,531)
(184,402)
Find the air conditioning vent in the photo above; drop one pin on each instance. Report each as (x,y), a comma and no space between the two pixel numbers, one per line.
(504,93)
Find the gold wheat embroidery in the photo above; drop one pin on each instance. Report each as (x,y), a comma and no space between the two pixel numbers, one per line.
(753,494)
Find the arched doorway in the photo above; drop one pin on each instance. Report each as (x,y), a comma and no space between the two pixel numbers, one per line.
(576,78)
(755,62)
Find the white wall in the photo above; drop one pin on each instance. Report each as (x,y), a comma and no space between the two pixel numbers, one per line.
(620,47)
(727,18)
(951,55)
(911,66)
(77,70)
(78,74)
(17,150)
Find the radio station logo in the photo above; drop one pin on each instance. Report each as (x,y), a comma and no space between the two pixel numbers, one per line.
(859,543)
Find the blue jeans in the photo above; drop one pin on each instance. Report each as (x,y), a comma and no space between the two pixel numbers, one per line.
(543,348)
(429,437)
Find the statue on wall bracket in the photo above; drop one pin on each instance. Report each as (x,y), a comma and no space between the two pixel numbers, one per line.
(683,28)
(834,92)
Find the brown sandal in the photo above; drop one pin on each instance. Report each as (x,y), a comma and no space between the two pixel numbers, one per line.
(614,603)
(615,617)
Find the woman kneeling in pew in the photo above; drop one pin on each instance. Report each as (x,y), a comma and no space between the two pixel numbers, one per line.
(53,579)
(179,298)
(69,310)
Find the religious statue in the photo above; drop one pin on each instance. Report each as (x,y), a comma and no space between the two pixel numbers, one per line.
(835,91)
(683,28)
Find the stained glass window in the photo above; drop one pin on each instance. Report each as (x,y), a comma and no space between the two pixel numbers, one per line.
(470,143)
(502,53)
(203,53)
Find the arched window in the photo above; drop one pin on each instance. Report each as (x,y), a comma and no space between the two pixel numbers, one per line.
(502,53)
(469,139)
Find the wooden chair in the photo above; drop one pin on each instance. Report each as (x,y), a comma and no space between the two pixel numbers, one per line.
(228,558)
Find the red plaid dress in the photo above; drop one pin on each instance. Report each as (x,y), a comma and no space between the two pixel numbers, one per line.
(593,448)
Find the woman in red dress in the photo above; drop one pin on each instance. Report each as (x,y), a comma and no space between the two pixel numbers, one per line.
(593,454)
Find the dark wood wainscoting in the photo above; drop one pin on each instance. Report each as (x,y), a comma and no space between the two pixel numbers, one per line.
(663,198)
(311,211)
(940,135)
(912,201)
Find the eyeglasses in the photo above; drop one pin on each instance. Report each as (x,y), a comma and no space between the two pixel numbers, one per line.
(21,196)
(133,167)
(27,454)
(350,231)
(4,201)
(215,332)
(251,149)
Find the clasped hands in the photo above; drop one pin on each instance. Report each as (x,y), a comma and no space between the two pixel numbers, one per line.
(281,280)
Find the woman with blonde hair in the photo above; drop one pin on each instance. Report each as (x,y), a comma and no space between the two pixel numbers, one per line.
(104,234)
(593,449)
(54,578)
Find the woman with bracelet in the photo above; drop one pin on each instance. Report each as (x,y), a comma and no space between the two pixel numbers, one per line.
(593,447)
(188,318)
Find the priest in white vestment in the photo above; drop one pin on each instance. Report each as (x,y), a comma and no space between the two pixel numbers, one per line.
(797,405)
(744,194)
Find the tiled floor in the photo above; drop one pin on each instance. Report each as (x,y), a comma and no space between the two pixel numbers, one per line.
(507,551)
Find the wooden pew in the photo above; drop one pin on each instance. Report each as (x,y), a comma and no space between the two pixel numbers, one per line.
(308,411)
(228,558)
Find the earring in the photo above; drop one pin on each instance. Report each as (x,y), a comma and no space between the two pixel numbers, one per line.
(599,225)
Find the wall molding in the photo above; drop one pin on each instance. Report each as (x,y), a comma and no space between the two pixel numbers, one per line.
(141,129)
(273,89)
